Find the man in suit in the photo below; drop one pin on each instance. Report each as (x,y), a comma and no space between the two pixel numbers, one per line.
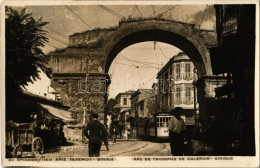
(95,132)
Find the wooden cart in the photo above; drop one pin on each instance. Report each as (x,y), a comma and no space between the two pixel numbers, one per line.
(19,138)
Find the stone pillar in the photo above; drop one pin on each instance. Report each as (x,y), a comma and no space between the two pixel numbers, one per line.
(83,92)
(206,96)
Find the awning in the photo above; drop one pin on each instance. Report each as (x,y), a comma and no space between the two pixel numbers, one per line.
(51,112)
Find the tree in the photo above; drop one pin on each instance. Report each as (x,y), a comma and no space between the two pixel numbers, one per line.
(152,106)
(110,106)
(25,38)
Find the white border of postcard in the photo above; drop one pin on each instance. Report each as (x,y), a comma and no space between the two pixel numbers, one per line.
(194,161)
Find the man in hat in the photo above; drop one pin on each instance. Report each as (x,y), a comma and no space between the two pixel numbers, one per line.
(176,128)
(95,132)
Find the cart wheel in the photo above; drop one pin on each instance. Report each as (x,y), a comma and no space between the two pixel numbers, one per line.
(37,146)
(17,151)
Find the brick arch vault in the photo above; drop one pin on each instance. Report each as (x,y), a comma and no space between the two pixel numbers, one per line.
(92,52)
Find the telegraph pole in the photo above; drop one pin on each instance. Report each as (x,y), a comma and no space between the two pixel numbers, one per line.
(87,103)
(194,93)
(85,108)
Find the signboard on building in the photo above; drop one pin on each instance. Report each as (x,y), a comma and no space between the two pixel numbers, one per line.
(229,26)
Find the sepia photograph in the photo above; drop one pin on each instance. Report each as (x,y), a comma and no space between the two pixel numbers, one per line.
(130,84)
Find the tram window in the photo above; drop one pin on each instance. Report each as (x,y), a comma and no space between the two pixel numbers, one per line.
(167,120)
(162,122)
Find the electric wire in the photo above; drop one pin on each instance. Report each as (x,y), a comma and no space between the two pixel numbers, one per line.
(111,11)
(139,66)
(114,67)
(138,10)
(161,8)
(162,52)
(56,39)
(51,45)
(137,62)
(137,70)
(133,11)
(168,9)
(203,16)
(56,32)
(141,62)
(78,16)
(150,79)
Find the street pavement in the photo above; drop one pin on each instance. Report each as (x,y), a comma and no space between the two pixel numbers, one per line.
(119,148)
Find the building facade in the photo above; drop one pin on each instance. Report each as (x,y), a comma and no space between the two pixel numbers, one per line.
(142,106)
(141,101)
(235,55)
(176,87)
(124,107)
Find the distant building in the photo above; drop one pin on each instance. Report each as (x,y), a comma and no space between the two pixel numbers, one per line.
(175,86)
(124,107)
(143,105)
(140,102)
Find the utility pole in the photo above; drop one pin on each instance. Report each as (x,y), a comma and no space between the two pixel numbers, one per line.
(194,93)
(87,99)
(154,16)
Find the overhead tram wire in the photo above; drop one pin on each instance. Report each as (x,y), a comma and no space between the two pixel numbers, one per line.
(78,16)
(203,16)
(52,46)
(137,70)
(140,62)
(111,11)
(162,8)
(137,62)
(168,9)
(56,32)
(83,26)
(150,79)
(136,65)
(114,67)
(162,52)
(165,6)
(133,11)
(58,40)
(165,9)
(138,10)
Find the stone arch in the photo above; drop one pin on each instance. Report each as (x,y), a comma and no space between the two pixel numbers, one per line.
(184,36)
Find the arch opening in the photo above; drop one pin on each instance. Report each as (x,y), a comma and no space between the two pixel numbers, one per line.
(161,36)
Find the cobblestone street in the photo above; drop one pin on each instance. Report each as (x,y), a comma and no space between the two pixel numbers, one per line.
(120,148)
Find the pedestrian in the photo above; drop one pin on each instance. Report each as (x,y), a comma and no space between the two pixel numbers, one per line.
(105,138)
(114,133)
(198,145)
(94,132)
(176,128)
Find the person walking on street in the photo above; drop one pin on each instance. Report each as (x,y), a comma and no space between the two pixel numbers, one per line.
(176,128)
(105,138)
(114,133)
(94,132)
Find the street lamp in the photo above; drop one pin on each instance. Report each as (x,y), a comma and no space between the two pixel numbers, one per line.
(194,93)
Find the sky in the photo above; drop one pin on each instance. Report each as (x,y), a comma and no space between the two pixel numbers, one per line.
(67,20)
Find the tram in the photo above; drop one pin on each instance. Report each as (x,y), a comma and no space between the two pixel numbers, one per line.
(155,127)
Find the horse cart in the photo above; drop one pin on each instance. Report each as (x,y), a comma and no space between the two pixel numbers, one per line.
(20,138)
(28,137)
